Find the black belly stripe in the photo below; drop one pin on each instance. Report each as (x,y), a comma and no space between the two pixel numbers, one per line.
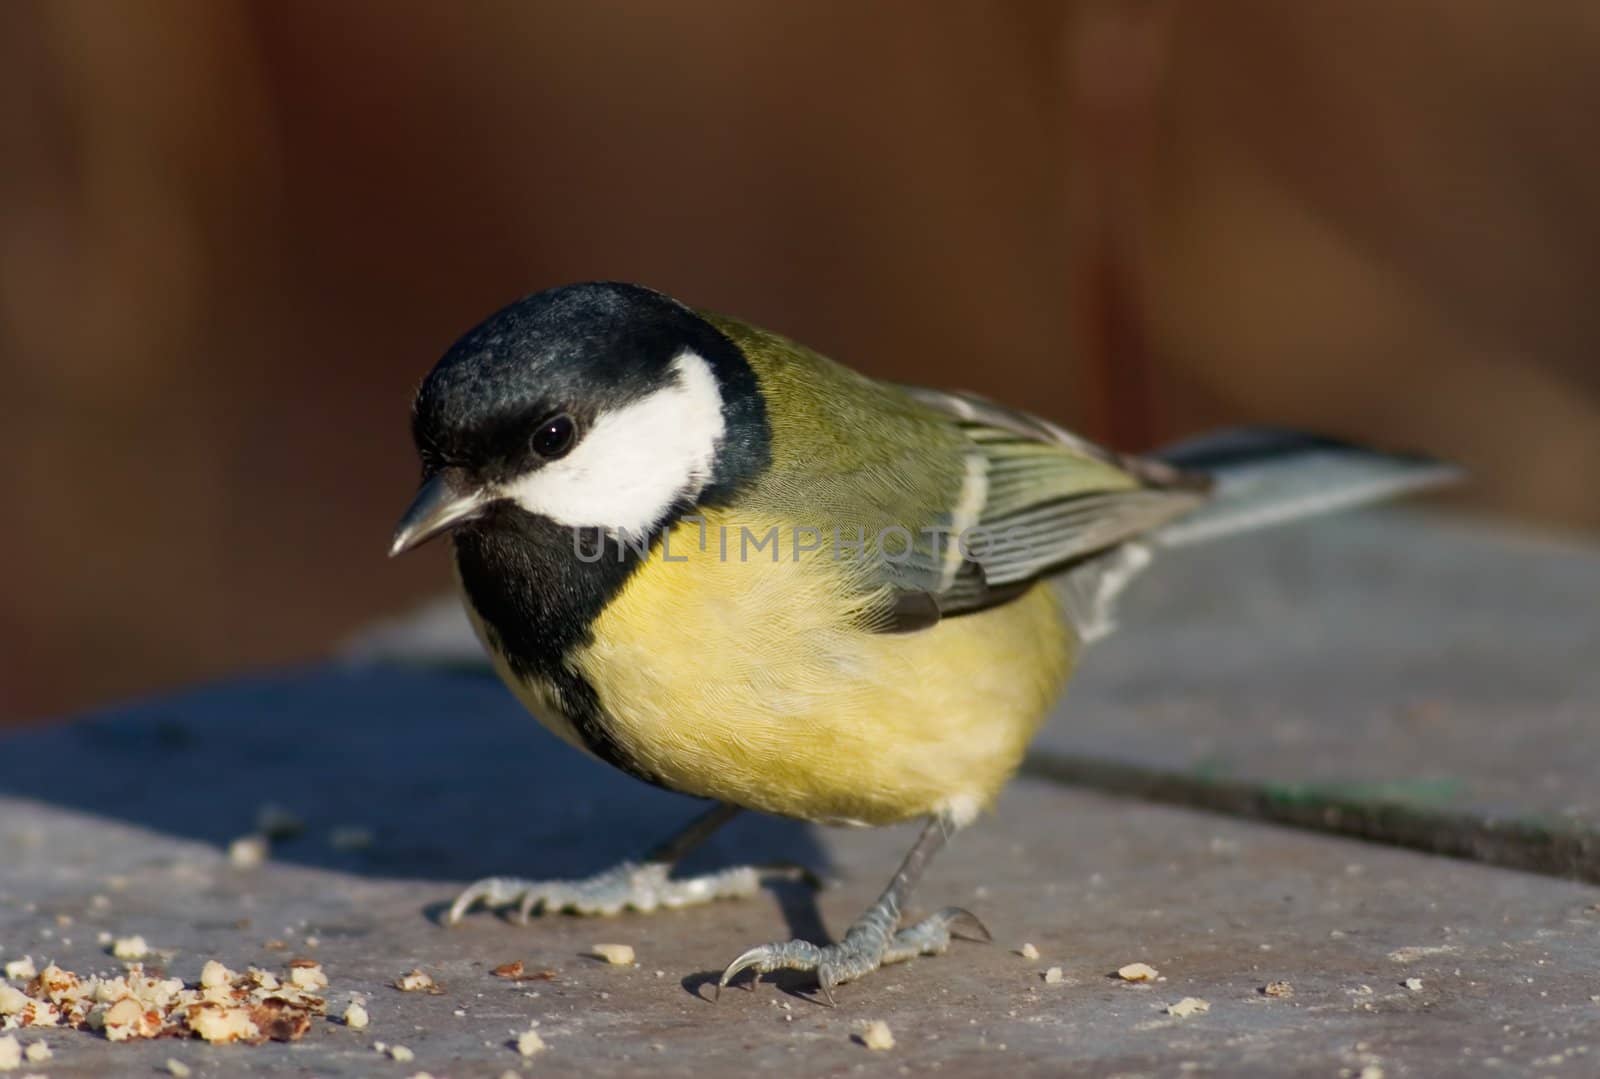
(581,706)
(538,602)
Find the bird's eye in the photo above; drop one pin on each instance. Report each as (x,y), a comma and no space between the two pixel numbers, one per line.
(554,437)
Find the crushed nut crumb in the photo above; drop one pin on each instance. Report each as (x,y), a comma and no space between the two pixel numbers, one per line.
(417,981)
(876,1035)
(618,955)
(248,851)
(130,948)
(305,974)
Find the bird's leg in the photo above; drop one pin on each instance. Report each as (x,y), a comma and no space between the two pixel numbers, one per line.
(642,885)
(875,939)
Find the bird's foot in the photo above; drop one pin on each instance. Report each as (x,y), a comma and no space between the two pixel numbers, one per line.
(870,944)
(632,886)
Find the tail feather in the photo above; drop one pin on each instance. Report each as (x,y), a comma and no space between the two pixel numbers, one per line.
(1265,477)
(1259,477)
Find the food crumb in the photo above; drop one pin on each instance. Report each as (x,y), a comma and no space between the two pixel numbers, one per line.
(1371,1071)
(1138,972)
(1277,989)
(1413,984)
(529,1043)
(10,1053)
(121,1019)
(21,970)
(401,1054)
(1028,951)
(37,1053)
(248,851)
(216,1024)
(618,955)
(214,974)
(512,969)
(130,948)
(307,974)
(1189,1006)
(416,981)
(876,1035)
(177,1068)
(1053,976)
(355,1016)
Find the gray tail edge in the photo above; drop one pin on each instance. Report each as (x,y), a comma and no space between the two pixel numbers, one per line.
(1259,477)
(1263,477)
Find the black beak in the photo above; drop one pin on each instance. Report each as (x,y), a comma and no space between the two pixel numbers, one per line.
(443,502)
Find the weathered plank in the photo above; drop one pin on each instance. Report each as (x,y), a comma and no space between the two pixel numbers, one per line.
(455,782)
(1379,675)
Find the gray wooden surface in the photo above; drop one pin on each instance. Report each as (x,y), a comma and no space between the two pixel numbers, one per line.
(1379,659)
(1425,683)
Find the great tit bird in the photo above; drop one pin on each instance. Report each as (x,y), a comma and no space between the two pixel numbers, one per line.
(728,566)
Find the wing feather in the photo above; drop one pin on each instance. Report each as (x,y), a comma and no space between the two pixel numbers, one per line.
(1052,500)
(991,499)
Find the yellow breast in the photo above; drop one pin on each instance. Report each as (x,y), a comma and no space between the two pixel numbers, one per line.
(748,678)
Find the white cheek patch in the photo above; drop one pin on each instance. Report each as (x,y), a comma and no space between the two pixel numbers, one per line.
(636,461)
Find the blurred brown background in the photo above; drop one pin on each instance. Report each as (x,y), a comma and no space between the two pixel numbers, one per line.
(234,235)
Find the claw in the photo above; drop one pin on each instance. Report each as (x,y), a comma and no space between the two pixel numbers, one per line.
(486,891)
(737,967)
(965,924)
(464,902)
(874,939)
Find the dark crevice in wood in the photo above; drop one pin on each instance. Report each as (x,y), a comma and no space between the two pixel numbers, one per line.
(1552,846)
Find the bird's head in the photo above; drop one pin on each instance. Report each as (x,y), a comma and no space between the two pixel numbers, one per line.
(597,405)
